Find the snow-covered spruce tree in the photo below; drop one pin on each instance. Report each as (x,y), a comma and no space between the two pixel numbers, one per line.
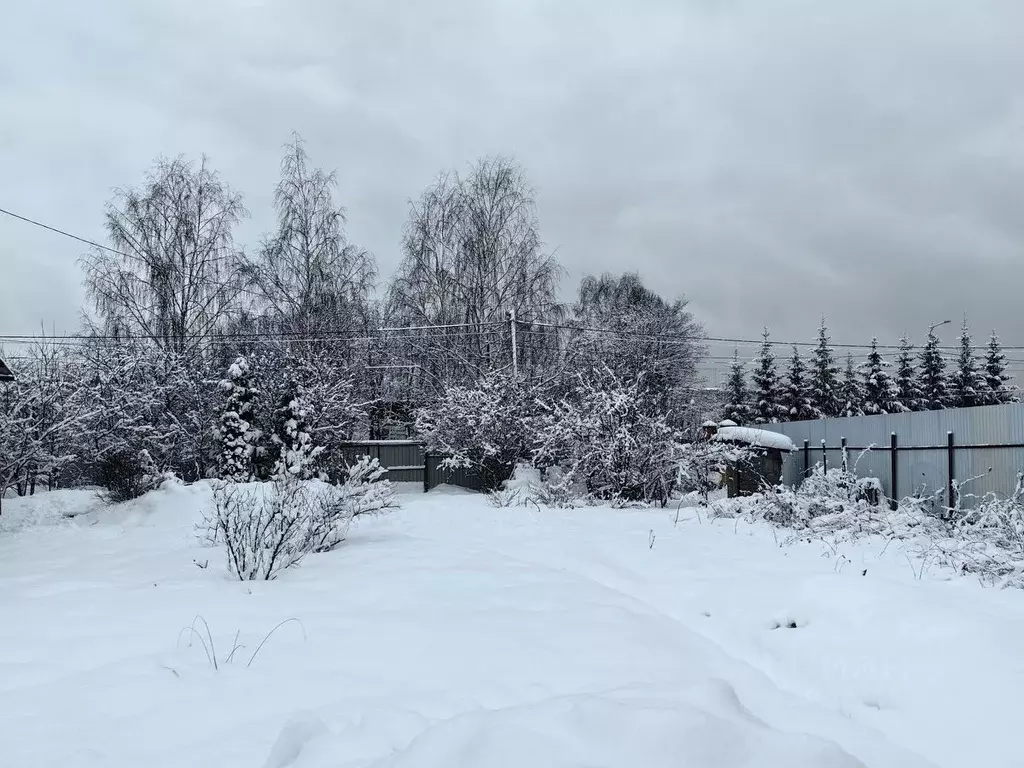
(297,455)
(852,390)
(880,391)
(796,398)
(908,388)
(238,435)
(610,439)
(767,395)
(934,389)
(998,387)
(967,386)
(487,428)
(737,397)
(825,386)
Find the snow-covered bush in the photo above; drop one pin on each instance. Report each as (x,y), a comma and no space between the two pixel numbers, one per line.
(487,428)
(42,414)
(986,540)
(332,509)
(607,436)
(268,527)
(507,497)
(262,526)
(701,466)
(366,490)
(832,494)
(126,475)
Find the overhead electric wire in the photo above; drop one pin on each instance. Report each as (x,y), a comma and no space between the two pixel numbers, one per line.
(663,338)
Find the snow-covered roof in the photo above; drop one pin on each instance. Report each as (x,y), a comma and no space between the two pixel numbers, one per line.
(710,424)
(760,438)
(5,373)
(727,423)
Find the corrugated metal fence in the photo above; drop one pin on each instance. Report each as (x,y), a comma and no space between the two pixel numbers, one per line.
(406,462)
(917,451)
(402,458)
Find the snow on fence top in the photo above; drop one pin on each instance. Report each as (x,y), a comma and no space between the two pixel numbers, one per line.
(759,438)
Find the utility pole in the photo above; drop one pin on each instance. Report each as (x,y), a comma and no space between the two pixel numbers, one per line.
(515,349)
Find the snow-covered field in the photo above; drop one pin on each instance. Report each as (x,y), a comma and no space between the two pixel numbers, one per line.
(455,634)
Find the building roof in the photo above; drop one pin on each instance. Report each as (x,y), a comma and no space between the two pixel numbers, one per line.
(6,374)
(758,438)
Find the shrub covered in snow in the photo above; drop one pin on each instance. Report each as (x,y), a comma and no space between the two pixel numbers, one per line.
(268,527)
(608,436)
(548,488)
(701,466)
(487,428)
(125,475)
(986,540)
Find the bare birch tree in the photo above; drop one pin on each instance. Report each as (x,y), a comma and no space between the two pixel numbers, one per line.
(173,273)
(623,324)
(472,256)
(308,278)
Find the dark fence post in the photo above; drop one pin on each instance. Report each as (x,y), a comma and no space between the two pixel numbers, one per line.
(842,447)
(807,458)
(824,456)
(950,467)
(893,493)
(426,472)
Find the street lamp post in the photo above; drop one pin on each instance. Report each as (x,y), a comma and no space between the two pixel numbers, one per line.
(933,326)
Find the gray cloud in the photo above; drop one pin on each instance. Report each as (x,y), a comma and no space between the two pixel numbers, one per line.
(772,161)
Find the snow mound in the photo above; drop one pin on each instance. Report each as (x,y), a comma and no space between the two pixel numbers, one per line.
(46,508)
(759,438)
(706,726)
(303,728)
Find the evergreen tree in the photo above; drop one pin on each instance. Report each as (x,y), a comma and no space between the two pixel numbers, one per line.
(766,395)
(968,386)
(825,387)
(852,390)
(997,383)
(881,393)
(908,388)
(796,399)
(737,409)
(934,389)
(296,453)
(238,435)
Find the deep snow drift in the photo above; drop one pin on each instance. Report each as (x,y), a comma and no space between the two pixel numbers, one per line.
(455,634)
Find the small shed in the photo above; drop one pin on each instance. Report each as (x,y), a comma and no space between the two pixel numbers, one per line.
(6,374)
(764,466)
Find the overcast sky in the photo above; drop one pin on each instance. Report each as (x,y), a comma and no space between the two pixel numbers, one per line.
(772,160)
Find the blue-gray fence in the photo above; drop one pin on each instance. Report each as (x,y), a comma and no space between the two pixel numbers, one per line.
(912,452)
(402,458)
(407,462)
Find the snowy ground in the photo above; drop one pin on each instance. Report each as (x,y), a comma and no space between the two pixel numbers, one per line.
(455,634)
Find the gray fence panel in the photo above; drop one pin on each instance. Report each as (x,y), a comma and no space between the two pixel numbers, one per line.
(925,468)
(436,475)
(403,459)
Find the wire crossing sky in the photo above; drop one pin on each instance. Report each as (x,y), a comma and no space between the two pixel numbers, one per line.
(771,161)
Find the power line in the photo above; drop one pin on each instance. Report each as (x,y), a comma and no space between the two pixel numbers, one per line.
(85,240)
(621,334)
(746,342)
